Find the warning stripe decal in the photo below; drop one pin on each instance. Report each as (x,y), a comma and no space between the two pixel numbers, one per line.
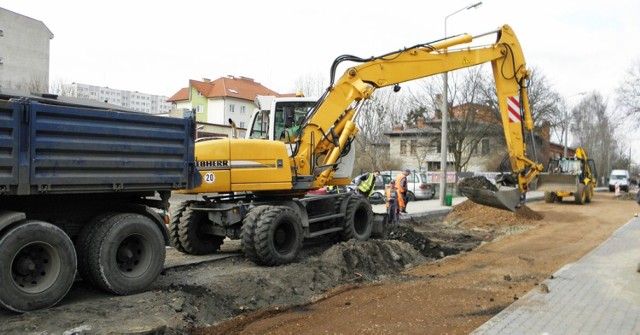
(513,106)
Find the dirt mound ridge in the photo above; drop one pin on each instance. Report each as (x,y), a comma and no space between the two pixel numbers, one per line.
(470,215)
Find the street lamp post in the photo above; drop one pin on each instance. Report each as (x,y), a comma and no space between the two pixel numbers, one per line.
(444,112)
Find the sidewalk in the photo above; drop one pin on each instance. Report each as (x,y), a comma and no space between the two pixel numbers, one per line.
(599,294)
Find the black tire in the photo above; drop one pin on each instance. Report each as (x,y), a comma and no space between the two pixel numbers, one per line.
(358,221)
(38,266)
(278,236)
(411,197)
(247,236)
(581,194)
(192,238)
(83,243)
(174,225)
(549,197)
(589,194)
(126,254)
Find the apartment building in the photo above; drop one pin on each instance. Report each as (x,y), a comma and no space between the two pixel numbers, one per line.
(24,52)
(142,102)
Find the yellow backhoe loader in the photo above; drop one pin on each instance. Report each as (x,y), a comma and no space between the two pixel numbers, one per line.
(261,183)
(574,177)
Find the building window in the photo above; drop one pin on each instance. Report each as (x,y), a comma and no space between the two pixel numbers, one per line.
(485,146)
(232,108)
(403,147)
(414,147)
(241,124)
(243,109)
(200,109)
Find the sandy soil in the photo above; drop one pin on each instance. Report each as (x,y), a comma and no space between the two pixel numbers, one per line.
(459,293)
(402,285)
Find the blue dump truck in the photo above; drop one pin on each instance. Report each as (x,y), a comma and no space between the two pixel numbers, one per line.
(85,188)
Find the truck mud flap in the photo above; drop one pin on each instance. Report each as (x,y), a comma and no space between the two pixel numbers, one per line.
(557,183)
(506,198)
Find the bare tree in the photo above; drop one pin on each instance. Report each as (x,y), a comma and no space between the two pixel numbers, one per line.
(628,93)
(469,116)
(594,131)
(311,85)
(61,88)
(33,84)
(375,117)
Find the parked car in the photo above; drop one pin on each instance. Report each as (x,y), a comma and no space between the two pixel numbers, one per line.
(621,177)
(417,186)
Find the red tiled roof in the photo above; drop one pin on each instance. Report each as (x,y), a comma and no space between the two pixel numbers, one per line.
(183,94)
(236,87)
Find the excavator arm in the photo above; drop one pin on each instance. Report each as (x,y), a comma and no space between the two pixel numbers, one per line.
(329,127)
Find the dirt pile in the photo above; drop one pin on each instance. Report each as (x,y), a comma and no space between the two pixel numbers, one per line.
(419,242)
(477,182)
(469,215)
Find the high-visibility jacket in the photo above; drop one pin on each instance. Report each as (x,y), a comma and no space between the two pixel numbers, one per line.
(394,196)
(401,183)
(366,186)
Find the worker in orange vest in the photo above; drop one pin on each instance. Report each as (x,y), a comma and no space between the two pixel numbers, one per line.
(401,185)
(394,202)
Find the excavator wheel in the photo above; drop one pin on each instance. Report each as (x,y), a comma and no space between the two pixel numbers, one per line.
(358,221)
(581,194)
(174,225)
(192,238)
(278,236)
(549,197)
(247,236)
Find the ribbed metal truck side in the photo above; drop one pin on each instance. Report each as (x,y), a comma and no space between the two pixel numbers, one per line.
(85,189)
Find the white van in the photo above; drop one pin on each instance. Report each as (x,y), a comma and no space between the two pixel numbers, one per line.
(621,177)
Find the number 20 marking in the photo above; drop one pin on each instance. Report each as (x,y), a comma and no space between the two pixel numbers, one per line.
(209,178)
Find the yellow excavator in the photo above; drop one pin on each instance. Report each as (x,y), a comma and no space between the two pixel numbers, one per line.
(569,177)
(260,184)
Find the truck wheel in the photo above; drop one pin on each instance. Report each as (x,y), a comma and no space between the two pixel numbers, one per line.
(247,236)
(83,243)
(549,197)
(174,225)
(278,236)
(38,266)
(358,221)
(581,194)
(126,254)
(192,238)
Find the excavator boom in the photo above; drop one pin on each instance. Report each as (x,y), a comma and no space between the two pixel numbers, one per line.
(330,124)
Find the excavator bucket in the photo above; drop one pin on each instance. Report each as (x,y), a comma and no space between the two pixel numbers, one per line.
(557,182)
(506,198)
(482,191)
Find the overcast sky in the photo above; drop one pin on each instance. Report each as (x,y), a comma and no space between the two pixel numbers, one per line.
(156,47)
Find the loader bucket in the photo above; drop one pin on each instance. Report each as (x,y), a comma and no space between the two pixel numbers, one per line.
(557,183)
(507,198)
